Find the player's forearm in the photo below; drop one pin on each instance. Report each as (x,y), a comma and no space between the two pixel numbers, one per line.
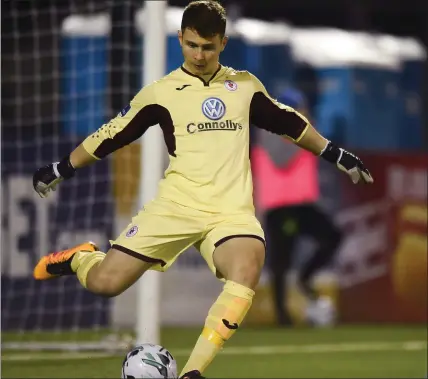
(312,141)
(79,157)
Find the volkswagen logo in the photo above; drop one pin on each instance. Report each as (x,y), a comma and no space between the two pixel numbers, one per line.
(213,108)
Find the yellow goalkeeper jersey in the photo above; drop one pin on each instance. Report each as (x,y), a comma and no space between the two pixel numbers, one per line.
(206,128)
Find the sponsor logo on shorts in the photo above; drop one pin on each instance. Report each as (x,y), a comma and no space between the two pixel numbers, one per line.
(132,231)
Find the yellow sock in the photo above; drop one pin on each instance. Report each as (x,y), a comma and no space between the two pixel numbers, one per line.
(83,261)
(224,318)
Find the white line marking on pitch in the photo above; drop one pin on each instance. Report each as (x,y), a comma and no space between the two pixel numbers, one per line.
(249,350)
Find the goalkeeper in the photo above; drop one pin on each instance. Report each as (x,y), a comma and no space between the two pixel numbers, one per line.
(206,197)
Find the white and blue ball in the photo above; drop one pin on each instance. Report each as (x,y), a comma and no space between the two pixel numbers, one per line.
(149,361)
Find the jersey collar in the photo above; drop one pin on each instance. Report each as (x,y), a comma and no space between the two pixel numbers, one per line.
(206,83)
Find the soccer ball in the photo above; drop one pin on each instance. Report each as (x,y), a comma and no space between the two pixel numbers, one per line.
(149,361)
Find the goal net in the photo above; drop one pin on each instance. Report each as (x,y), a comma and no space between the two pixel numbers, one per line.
(66,69)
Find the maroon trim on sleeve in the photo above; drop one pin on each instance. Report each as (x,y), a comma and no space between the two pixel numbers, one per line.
(266,115)
(149,115)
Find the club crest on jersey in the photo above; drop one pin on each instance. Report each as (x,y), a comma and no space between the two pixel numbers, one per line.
(230,85)
(213,108)
(125,110)
(132,231)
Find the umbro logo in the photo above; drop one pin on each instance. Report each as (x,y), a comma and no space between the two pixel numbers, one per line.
(183,87)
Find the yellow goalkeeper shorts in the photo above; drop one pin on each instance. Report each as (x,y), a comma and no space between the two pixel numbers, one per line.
(163,230)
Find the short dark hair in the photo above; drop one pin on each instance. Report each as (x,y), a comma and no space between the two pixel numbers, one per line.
(206,17)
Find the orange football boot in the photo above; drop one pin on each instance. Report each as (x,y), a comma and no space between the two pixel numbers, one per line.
(59,263)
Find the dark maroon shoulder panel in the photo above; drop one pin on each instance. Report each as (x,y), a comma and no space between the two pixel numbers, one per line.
(266,115)
(149,115)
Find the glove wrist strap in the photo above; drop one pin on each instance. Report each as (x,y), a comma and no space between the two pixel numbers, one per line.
(65,168)
(331,153)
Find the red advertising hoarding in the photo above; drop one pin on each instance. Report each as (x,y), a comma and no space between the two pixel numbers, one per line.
(383,260)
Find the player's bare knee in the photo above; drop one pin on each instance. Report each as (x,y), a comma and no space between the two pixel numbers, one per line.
(117,272)
(247,270)
(112,289)
(102,284)
(240,260)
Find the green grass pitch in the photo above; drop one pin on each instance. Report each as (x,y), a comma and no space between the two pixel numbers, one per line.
(343,352)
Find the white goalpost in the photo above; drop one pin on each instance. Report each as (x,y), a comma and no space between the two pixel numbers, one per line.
(154,62)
